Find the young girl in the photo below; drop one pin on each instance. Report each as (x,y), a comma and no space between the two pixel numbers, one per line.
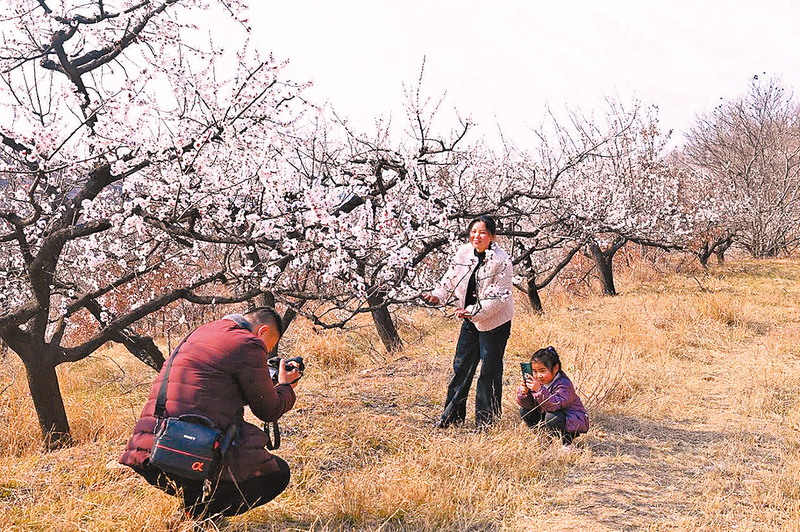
(548,398)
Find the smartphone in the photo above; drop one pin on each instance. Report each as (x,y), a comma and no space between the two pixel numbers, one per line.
(526,368)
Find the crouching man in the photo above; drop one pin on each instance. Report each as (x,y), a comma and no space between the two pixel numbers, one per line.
(219,369)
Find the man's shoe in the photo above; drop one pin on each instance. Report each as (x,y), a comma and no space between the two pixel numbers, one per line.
(445,423)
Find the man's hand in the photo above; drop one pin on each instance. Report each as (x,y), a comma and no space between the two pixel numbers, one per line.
(288,374)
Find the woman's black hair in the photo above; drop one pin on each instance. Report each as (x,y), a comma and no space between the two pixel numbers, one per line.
(548,357)
(488,221)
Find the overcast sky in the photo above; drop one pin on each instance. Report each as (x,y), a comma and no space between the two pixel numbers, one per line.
(502,61)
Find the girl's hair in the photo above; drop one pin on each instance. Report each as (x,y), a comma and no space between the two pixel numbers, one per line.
(488,221)
(548,357)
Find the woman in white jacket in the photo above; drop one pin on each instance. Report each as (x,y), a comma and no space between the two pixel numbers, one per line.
(478,283)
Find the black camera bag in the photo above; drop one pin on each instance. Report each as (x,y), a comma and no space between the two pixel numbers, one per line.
(186,446)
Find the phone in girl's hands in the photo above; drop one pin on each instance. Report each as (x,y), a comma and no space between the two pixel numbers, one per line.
(526,368)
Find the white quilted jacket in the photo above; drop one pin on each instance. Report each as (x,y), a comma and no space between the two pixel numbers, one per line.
(495,304)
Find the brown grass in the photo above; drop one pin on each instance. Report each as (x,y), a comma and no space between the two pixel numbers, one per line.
(692,381)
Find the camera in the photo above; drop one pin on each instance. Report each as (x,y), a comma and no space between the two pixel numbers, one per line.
(275,362)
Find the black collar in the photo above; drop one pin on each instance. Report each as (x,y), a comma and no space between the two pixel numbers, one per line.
(481,254)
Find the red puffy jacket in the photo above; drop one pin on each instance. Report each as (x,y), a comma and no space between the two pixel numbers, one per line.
(219,369)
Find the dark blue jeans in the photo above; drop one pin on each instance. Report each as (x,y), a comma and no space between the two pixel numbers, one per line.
(475,346)
(227,497)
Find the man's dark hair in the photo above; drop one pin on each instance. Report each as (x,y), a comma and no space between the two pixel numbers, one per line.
(267,316)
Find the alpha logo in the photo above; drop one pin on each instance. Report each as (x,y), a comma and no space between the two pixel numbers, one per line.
(197,466)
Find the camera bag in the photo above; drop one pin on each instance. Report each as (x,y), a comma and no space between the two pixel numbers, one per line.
(188,446)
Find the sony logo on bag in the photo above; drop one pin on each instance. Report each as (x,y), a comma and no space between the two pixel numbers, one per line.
(189,437)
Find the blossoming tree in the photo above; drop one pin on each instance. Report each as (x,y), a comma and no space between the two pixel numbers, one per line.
(590,184)
(746,152)
(122,140)
(142,166)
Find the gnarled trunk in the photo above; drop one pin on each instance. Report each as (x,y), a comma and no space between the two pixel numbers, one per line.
(384,323)
(703,254)
(40,362)
(604,261)
(721,248)
(533,296)
(46,396)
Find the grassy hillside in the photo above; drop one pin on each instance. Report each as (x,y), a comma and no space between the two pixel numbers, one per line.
(692,381)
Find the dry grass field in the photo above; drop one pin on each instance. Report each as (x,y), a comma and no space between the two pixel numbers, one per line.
(692,382)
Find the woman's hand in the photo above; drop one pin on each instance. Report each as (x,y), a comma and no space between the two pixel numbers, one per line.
(430,298)
(531,383)
(463,313)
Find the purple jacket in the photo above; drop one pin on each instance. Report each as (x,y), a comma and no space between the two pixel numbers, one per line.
(558,395)
(218,370)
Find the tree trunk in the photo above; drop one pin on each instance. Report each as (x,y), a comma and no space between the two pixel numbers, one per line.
(533,296)
(383,323)
(289,315)
(604,263)
(46,396)
(703,255)
(722,247)
(40,368)
(266,299)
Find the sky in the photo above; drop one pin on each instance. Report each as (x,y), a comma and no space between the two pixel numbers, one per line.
(503,62)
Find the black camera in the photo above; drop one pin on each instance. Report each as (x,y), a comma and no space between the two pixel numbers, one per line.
(275,362)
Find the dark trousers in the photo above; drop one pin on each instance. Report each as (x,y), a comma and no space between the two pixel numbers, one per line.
(487,348)
(555,422)
(227,498)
